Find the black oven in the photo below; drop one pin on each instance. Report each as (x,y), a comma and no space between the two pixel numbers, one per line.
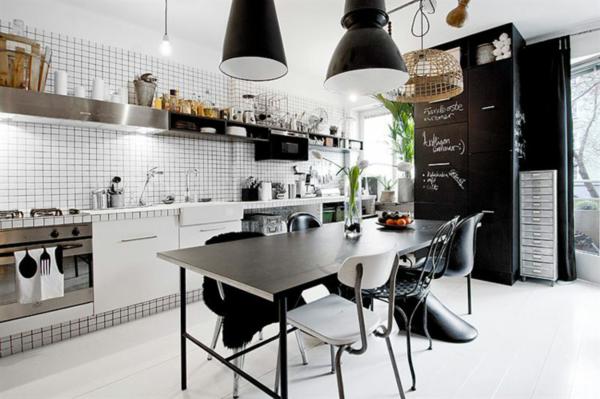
(290,146)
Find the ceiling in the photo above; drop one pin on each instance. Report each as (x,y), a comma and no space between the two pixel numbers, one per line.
(311,28)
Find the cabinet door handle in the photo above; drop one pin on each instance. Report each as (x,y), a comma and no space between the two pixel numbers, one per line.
(488,108)
(215,229)
(139,238)
(439,164)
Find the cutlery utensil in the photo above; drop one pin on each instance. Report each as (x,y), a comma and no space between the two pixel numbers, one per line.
(45,263)
(27,266)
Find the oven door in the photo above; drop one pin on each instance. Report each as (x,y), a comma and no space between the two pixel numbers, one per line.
(77,270)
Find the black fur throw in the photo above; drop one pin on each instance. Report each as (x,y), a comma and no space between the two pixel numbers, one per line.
(243,314)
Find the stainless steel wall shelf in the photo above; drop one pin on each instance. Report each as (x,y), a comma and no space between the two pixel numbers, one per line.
(27,106)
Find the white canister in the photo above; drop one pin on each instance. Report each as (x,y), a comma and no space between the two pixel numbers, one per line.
(60,82)
(80,91)
(265,191)
(98,90)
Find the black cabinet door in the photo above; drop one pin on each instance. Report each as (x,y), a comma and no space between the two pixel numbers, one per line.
(491,107)
(494,257)
(492,185)
(492,182)
(441,166)
(454,110)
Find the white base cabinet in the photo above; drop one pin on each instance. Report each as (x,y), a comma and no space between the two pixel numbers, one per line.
(197,235)
(126,269)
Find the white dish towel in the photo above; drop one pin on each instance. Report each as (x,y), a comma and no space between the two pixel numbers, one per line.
(39,287)
(28,286)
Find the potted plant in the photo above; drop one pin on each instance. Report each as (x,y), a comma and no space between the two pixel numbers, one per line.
(388,193)
(402,142)
(352,194)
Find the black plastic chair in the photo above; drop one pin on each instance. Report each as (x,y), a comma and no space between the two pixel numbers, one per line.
(461,253)
(302,221)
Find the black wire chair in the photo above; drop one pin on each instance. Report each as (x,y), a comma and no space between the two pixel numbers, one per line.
(415,283)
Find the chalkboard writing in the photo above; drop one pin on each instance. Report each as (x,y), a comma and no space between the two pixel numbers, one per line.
(431,179)
(443,145)
(442,112)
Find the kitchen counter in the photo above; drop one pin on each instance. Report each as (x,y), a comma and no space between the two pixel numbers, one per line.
(158,210)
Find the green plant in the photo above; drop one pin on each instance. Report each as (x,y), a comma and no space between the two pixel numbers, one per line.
(388,184)
(402,128)
(353,174)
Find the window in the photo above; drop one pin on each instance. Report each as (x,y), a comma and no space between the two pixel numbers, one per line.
(585,86)
(377,149)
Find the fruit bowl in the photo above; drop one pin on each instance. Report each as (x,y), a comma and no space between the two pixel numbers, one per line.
(395,220)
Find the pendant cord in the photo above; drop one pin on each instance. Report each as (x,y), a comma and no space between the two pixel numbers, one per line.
(166,9)
(421,14)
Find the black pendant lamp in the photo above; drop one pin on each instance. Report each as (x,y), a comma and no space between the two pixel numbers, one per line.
(366,61)
(253,49)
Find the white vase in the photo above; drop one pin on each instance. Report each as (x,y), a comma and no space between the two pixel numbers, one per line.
(387,196)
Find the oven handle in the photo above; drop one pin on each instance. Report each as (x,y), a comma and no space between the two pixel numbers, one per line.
(64,248)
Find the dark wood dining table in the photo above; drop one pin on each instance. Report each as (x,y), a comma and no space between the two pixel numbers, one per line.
(272,267)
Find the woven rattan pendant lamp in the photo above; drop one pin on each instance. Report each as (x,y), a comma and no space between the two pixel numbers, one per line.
(433,74)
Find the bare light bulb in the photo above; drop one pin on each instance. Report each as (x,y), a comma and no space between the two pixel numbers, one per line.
(165,46)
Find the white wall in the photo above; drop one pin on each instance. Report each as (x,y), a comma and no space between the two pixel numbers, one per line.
(127,33)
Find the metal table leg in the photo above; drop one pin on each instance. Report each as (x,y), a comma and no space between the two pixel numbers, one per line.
(182,307)
(283,347)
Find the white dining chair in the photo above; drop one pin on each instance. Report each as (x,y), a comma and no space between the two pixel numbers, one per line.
(342,323)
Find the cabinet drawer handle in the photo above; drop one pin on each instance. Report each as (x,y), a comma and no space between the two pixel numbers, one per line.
(536,212)
(440,164)
(537,271)
(215,229)
(537,257)
(488,212)
(139,238)
(537,234)
(488,107)
(536,219)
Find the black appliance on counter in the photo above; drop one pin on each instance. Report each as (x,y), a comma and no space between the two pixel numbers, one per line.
(291,146)
(466,157)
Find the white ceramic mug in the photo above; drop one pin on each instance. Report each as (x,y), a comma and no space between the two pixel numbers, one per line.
(80,91)
(98,90)
(60,82)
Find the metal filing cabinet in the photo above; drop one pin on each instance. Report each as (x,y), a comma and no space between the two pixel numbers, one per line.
(538,225)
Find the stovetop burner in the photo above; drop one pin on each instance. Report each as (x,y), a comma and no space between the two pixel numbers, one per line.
(11,214)
(41,212)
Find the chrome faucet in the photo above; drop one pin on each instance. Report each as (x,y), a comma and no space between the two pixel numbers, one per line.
(149,175)
(190,171)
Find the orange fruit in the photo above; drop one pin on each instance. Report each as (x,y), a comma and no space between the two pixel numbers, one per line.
(401,222)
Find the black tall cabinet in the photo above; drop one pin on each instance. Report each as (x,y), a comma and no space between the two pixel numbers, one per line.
(466,154)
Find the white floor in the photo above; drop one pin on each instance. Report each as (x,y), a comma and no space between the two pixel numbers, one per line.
(534,342)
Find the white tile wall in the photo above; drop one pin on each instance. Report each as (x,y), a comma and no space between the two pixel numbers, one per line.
(47,165)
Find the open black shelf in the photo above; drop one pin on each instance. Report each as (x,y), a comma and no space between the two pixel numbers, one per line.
(191,125)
